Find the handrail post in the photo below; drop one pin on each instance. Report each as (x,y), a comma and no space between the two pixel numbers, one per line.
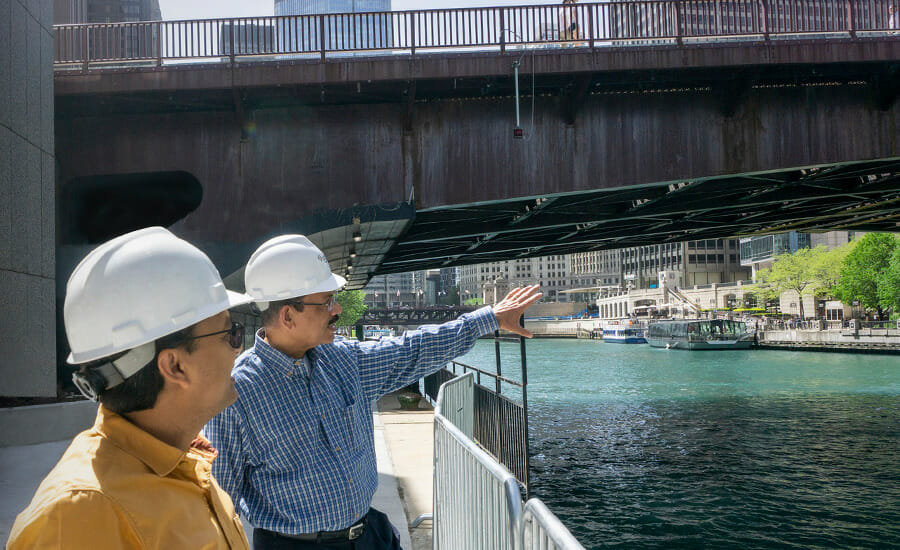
(590,9)
(158,25)
(412,33)
(233,41)
(678,33)
(502,30)
(851,20)
(84,47)
(322,36)
(764,11)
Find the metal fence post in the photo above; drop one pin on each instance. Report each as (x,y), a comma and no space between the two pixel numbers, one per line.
(84,47)
(322,36)
(233,40)
(591,33)
(412,33)
(158,26)
(678,32)
(764,11)
(502,30)
(851,20)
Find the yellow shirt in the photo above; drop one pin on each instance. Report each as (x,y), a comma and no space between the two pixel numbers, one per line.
(117,486)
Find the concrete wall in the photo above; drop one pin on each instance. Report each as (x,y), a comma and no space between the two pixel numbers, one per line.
(27,200)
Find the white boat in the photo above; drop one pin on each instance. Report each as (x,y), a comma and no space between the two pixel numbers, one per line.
(374,332)
(624,331)
(700,334)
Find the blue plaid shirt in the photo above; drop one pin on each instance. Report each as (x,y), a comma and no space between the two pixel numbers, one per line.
(297,450)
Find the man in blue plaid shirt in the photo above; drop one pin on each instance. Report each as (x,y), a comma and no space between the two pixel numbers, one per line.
(296,451)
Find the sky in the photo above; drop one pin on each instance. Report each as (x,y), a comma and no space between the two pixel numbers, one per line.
(213,9)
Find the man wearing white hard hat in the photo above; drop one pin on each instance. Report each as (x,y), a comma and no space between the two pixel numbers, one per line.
(297,452)
(146,315)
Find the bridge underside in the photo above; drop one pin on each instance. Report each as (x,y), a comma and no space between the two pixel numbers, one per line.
(394,165)
(862,196)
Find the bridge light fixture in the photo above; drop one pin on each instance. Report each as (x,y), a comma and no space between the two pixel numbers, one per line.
(357,236)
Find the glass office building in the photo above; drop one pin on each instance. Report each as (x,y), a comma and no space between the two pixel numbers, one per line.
(364,25)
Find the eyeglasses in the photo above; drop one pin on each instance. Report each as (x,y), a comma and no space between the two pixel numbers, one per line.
(327,304)
(235,335)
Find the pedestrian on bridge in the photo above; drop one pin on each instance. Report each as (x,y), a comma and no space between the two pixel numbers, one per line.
(297,450)
(146,315)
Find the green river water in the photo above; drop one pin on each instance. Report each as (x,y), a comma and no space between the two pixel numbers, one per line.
(639,447)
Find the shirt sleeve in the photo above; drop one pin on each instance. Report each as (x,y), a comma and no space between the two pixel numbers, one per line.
(224,431)
(396,362)
(80,520)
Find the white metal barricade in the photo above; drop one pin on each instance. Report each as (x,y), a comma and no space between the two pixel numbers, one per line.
(542,530)
(477,502)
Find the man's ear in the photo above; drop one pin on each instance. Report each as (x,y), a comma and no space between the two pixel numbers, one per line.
(169,365)
(286,316)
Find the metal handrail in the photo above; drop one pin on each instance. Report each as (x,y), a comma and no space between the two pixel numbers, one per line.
(477,502)
(615,23)
(542,529)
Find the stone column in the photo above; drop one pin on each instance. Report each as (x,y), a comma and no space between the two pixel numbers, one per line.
(27,200)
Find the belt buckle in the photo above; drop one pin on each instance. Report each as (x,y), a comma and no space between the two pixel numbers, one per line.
(356,531)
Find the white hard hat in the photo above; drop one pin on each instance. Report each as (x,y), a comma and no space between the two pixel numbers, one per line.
(286,267)
(137,288)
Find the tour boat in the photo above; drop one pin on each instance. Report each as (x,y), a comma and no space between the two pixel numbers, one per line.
(700,334)
(624,331)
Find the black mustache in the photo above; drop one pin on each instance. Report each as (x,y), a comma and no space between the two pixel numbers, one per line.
(334,319)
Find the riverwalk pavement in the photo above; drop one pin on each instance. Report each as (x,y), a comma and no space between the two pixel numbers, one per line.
(403,449)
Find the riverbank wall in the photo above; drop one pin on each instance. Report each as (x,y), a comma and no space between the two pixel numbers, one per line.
(861,340)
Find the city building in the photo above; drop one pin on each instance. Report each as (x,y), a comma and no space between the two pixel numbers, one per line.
(371,26)
(696,263)
(133,41)
(249,38)
(759,252)
(66,12)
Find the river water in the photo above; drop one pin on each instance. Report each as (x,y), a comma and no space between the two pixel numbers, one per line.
(638,447)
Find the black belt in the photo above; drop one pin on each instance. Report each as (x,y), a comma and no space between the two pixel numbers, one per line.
(350,533)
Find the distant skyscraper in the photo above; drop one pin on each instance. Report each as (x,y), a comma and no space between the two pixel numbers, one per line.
(370,29)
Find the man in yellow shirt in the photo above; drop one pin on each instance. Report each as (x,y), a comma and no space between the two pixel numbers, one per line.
(146,315)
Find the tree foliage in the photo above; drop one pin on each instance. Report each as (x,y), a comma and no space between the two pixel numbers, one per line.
(889,288)
(866,274)
(474,302)
(805,270)
(353,307)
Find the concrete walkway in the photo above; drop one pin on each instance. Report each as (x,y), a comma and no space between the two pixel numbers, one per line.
(403,448)
(410,440)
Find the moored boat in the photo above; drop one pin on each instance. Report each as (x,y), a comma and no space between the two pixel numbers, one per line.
(698,334)
(624,331)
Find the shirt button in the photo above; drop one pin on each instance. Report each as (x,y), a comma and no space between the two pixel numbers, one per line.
(323,417)
(350,480)
(337,448)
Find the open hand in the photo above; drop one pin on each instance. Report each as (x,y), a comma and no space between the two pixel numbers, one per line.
(509,310)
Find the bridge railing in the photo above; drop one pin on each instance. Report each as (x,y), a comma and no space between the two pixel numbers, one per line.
(618,23)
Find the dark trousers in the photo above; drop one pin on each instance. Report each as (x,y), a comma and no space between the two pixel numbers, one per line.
(379,535)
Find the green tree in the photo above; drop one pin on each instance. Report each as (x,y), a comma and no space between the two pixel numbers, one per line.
(825,268)
(889,284)
(474,302)
(353,307)
(798,272)
(864,269)
(451,298)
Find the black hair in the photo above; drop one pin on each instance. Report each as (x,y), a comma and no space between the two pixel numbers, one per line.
(141,390)
(269,315)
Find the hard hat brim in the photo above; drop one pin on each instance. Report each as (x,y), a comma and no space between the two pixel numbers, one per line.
(234,299)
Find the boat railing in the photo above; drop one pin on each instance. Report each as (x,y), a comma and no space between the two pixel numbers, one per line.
(477,502)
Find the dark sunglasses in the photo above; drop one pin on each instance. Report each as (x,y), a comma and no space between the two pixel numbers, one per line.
(235,335)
